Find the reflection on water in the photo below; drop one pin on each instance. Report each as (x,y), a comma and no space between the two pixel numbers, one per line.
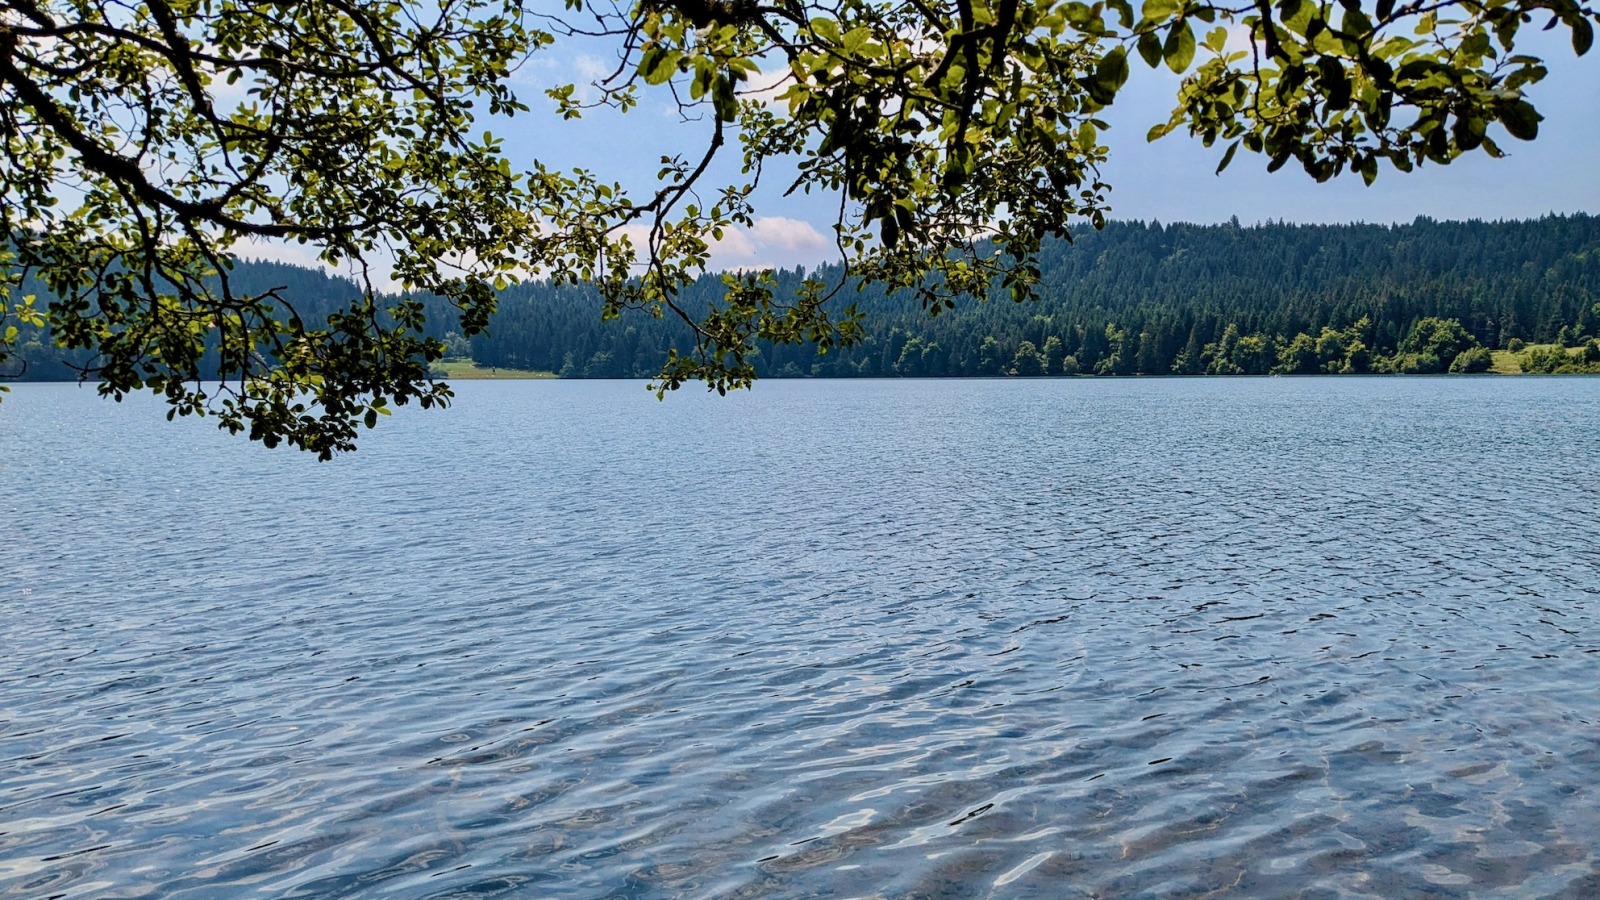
(1258,638)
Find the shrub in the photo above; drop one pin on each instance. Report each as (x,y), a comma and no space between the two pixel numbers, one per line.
(1544,360)
(1472,361)
(1298,357)
(1027,361)
(1418,364)
(1443,339)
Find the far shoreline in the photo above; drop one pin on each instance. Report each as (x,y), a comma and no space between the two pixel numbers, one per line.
(1506,362)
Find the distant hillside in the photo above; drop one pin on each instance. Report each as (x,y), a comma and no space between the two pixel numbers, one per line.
(1134,298)
(1138,296)
(314,292)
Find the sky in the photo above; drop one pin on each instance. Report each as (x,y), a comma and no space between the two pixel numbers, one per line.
(1170,180)
(1173,178)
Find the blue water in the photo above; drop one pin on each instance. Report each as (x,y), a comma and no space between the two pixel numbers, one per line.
(1256,638)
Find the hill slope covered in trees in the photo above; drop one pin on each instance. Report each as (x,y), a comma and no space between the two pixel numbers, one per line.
(1150,299)
(1132,299)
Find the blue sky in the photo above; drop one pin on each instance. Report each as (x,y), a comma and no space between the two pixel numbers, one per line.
(1171,180)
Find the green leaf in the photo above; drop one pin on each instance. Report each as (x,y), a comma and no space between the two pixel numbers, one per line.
(658,64)
(1158,10)
(1109,75)
(1522,120)
(1335,83)
(1179,48)
(1582,35)
(703,76)
(1150,48)
(1228,156)
(1087,137)
(1116,66)
(1368,167)
(1355,22)
(722,97)
(1124,11)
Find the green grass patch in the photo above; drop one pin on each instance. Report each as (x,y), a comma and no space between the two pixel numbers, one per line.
(1506,363)
(467,370)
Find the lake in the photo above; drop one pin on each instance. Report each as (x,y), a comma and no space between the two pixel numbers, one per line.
(1307,638)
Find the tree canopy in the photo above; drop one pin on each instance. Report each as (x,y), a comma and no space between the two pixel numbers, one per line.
(144,141)
(1142,298)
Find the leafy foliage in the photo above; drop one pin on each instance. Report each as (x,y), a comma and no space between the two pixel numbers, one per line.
(1132,299)
(1472,361)
(146,143)
(129,183)
(1555,359)
(1150,299)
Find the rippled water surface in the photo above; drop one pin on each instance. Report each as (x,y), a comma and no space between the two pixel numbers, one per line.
(1312,638)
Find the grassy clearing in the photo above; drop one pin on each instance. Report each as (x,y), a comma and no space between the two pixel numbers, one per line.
(467,370)
(1508,363)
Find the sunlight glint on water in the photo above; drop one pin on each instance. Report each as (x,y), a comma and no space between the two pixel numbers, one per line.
(1314,638)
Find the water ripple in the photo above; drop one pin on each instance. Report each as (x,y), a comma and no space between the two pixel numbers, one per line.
(1311,638)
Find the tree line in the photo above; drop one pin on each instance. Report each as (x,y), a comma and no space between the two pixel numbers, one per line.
(1132,299)
(1151,299)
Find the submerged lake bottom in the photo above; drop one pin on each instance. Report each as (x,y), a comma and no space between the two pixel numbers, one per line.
(1235,638)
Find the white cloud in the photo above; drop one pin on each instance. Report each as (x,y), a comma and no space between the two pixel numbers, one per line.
(735,244)
(590,70)
(767,86)
(771,242)
(791,235)
(279,251)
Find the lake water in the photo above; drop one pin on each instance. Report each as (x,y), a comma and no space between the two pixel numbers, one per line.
(1255,638)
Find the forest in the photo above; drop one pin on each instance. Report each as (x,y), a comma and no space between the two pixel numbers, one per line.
(1131,299)
(1148,299)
